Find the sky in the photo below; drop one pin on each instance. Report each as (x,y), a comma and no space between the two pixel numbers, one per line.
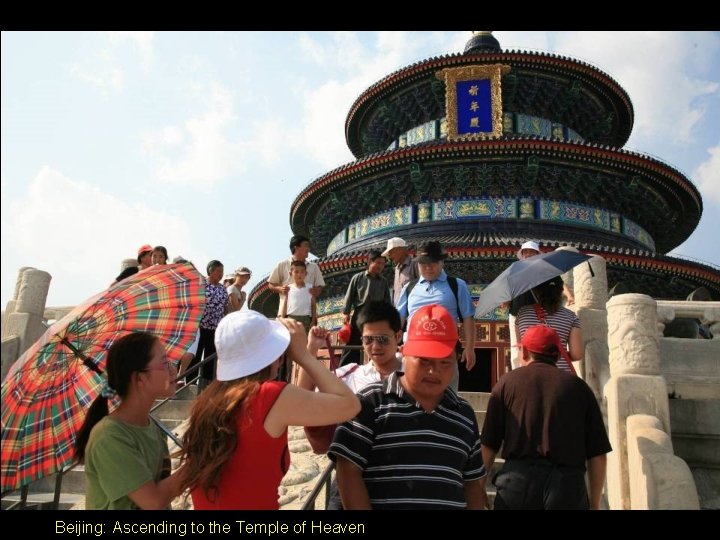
(200,141)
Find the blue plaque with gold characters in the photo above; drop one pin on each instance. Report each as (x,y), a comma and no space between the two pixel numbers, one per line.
(473,101)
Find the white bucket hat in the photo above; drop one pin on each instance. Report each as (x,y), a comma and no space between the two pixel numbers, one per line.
(528,245)
(246,342)
(392,244)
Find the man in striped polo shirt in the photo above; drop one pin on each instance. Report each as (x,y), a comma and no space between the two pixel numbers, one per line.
(415,443)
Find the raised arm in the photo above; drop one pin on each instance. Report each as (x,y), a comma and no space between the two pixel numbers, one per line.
(295,406)
(316,340)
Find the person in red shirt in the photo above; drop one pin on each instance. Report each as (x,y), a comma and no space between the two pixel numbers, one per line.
(235,448)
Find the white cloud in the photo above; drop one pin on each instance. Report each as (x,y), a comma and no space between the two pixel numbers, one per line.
(168,137)
(325,111)
(199,153)
(106,78)
(142,40)
(312,50)
(708,175)
(76,231)
(654,69)
(104,68)
(327,105)
(267,141)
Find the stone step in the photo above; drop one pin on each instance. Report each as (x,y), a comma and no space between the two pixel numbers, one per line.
(171,423)
(697,388)
(43,500)
(700,450)
(73,482)
(707,482)
(174,409)
(478,400)
(188,392)
(695,428)
(695,416)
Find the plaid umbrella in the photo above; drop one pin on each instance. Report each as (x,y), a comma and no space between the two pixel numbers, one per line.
(521,276)
(48,390)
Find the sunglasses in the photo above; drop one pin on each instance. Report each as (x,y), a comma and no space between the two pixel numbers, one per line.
(380,340)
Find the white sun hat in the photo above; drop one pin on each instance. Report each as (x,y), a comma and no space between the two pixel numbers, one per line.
(528,245)
(246,342)
(392,244)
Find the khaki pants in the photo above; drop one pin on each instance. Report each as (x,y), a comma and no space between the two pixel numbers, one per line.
(304,319)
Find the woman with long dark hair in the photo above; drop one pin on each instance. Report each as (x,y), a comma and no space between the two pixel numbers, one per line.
(235,448)
(126,458)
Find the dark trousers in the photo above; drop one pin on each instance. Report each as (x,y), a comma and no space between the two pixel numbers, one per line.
(353,357)
(537,484)
(334,501)
(206,347)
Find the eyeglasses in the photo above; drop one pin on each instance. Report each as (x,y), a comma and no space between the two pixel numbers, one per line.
(380,340)
(167,364)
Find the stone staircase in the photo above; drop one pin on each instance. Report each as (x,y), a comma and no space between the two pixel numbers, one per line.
(72,495)
(479,401)
(692,371)
(695,428)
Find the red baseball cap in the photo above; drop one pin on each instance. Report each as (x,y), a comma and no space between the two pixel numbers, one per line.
(540,339)
(144,249)
(432,333)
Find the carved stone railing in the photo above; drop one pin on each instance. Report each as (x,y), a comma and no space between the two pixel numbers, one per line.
(658,479)
(23,317)
(638,413)
(590,288)
(707,313)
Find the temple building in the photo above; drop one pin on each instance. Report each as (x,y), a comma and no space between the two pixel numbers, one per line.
(486,149)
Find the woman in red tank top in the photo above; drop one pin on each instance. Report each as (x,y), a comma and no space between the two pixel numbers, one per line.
(235,447)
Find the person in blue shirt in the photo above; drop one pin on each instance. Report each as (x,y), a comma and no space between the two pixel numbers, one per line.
(436,287)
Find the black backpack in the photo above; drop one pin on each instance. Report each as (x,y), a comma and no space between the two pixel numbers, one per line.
(452,281)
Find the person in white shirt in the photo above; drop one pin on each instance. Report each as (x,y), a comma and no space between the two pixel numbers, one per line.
(279,280)
(299,303)
(379,323)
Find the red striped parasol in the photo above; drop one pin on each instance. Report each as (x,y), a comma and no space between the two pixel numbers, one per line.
(49,388)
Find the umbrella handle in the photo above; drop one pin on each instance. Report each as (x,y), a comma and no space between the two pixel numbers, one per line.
(85,360)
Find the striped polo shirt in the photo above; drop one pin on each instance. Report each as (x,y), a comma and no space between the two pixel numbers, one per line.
(411,459)
(562,321)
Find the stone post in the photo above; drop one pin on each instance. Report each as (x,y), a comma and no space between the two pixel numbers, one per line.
(635,385)
(10,308)
(26,321)
(590,298)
